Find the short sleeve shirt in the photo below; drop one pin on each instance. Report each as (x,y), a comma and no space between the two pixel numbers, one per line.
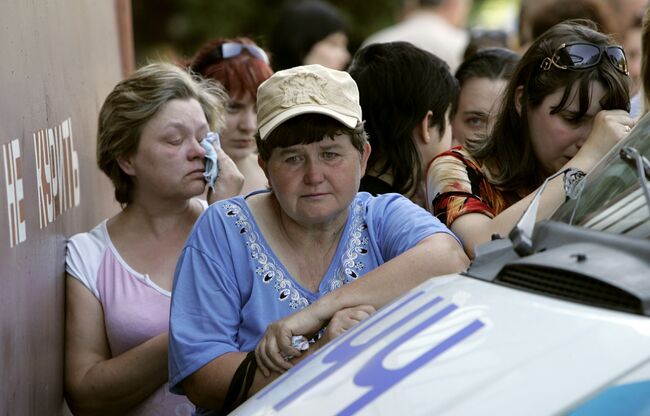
(457,186)
(230,285)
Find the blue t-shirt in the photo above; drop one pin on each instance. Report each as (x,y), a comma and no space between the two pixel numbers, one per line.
(229,285)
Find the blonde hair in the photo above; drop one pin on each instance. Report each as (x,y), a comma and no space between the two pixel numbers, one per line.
(136,100)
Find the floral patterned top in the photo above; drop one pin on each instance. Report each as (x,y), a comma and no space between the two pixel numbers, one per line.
(457,186)
(230,285)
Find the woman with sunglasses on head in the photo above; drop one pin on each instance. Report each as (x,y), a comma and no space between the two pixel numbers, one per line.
(151,144)
(240,66)
(565,106)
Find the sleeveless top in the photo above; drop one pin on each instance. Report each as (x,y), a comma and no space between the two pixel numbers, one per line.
(135,308)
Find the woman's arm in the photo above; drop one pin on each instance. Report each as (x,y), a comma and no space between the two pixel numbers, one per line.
(435,255)
(208,386)
(475,228)
(95,383)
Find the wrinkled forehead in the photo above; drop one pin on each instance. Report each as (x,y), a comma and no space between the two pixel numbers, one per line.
(339,140)
(177,114)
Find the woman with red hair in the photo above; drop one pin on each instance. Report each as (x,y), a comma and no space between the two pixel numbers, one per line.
(240,66)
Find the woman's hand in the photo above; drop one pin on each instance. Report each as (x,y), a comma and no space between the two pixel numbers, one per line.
(345,319)
(230,181)
(610,126)
(275,346)
(274,351)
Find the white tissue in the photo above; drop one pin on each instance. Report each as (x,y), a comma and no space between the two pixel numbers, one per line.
(211,163)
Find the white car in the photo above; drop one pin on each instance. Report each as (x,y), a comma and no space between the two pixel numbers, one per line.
(550,321)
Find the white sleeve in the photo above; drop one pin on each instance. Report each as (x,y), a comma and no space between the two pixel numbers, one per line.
(84,254)
(203,202)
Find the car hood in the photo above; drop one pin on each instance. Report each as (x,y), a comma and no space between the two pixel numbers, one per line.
(457,345)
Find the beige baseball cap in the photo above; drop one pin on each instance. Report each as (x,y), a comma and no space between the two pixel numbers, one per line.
(307,89)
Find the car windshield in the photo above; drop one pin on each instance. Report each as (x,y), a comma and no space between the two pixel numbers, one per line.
(612,199)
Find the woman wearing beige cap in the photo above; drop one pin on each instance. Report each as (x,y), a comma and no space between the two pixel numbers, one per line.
(310,251)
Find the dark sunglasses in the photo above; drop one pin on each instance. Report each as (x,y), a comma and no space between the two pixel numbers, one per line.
(581,55)
(230,50)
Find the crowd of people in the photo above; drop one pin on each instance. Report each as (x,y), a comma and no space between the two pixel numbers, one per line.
(270,196)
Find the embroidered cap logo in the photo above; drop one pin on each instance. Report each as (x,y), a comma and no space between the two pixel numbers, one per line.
(304,88)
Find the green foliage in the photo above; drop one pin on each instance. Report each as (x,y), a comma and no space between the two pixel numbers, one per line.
(178,27)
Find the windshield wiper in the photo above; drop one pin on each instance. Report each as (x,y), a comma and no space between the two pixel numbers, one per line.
(632,156)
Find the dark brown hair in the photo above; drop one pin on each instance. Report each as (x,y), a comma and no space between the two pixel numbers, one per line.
(305,129)
(398,84)
(507,155)
(562,10)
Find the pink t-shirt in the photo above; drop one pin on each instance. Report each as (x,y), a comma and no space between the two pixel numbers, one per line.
(135,308)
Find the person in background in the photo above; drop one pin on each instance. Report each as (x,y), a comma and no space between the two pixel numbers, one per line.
(629,15)
(566,106)
(537,16)
(485,38)
(311,249)
(309,32)
(119,274)
(482,79)
(632,44)
(414,127)
(559,11)
(645,62)
(527,9)
(240,66)
(437,26)
(626,13)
